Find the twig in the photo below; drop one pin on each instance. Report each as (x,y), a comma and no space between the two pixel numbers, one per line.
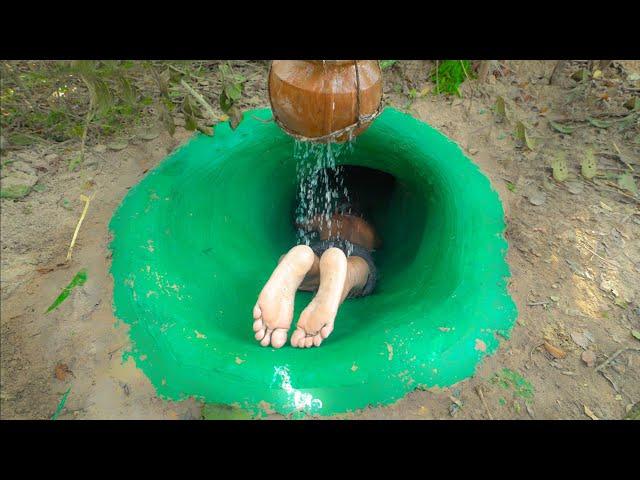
(75,234)
(464,69)
(89,116)
(200,99)
(533,349)
(115,350)
(537,304)
(615,387)
(614,356)
(262,120)
(484,402)
(176,69)
(601,258)
(621,157)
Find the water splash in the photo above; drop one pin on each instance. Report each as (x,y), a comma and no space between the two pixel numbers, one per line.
(321,189)
(299,400)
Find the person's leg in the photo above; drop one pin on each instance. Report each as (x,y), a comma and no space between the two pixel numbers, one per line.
(273,311)
(339,275)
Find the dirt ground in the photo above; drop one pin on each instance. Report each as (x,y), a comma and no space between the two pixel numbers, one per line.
(574,254)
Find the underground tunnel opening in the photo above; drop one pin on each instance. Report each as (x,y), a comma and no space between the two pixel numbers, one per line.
(197,238)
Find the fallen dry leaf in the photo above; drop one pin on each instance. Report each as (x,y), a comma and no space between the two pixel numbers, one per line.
(556,352)
(589,413)
(62,371)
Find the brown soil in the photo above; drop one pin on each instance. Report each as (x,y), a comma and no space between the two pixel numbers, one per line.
(574,258)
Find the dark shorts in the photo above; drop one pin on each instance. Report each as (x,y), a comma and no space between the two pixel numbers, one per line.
(351,249)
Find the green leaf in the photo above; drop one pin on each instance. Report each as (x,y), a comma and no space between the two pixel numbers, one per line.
(103,96)
(216,411)
(118,145)
(190,123)
(521,135)
(385,64)
(636,334)
(61,404)
(599,123)
(148,135)
(626,182)
(208,131)
(580,75)
(225,102)
(79,279)
(560,169)
(233,91)
(21,140)
(235,117)
(129,94)
(167,119)
(632,103)
(589,165)
(561,128)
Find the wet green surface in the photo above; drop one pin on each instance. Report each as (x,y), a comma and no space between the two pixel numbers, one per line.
(195,241)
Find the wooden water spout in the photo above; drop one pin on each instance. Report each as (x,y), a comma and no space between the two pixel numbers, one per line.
(325,100)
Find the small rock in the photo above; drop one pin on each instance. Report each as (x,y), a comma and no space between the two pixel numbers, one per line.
(473,151)
(580,339)
(607,286)
(589,358)
(537,198)
(100,148)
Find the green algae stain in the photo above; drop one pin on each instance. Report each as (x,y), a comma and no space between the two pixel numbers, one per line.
(79,279)
(510,380)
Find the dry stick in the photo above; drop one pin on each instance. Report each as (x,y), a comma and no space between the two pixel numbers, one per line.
(614,356)
(601,258)
(75,234)
(481,395)
(537,304)
(200,99)
(621,157)
(87,120)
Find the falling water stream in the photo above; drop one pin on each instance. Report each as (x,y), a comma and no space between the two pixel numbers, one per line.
(321,188)
(321,191)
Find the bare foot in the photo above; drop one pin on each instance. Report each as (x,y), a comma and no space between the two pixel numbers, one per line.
(316,321)
(273,312)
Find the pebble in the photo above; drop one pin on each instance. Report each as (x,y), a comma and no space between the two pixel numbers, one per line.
(589,358)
